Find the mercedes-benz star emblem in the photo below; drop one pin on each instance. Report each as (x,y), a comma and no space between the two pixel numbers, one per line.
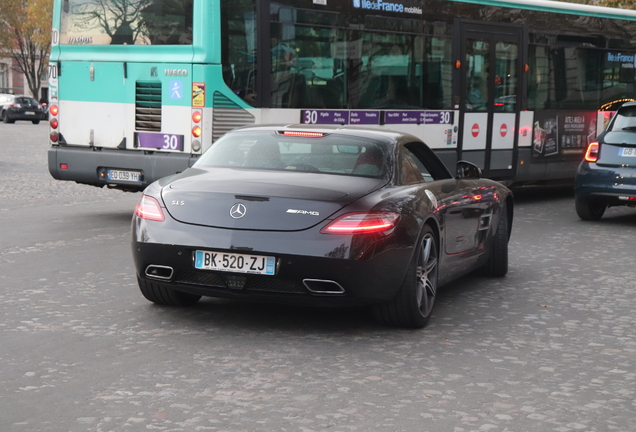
(238,211)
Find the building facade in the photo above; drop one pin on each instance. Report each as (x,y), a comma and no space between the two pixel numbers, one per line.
(13,81)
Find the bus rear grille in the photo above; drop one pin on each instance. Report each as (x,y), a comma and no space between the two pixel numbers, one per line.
(148,106)
(227,115)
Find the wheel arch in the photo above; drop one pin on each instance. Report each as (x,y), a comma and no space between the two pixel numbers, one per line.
(510,209)
(433,223)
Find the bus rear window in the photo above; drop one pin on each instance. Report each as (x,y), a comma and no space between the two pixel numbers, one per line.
(126,22)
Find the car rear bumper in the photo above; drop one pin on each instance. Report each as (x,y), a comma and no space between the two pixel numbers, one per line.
(22,115)
(608,185)
(312,268)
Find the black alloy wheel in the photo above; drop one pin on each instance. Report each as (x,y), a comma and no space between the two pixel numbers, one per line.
(413,304)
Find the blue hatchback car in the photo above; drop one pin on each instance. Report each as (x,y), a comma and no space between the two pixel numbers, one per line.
(607,175)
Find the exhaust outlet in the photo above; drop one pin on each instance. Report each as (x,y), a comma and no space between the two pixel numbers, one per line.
(323,287)
(159,272)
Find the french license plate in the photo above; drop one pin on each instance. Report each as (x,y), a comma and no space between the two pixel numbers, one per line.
(121,175)
(29,113)
(231,262)
(628,151)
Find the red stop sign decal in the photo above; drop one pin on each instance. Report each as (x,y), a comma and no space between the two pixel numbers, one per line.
(504,130)
(475,130)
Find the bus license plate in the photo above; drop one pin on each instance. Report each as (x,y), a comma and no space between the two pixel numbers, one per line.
(120,175)
(628,151)
(238,263)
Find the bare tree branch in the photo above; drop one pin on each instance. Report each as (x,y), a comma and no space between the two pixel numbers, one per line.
(25,36)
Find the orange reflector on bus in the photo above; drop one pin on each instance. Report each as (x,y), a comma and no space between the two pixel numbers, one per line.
(304,134)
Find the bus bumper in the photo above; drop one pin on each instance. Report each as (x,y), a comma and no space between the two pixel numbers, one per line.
(91,165)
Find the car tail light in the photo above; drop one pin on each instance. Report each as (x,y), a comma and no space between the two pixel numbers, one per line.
(304,134)
(55,136)
(196,131)
(54,123)
(53,110)
(149,209)
(362,223)
(591,155)
(196,116)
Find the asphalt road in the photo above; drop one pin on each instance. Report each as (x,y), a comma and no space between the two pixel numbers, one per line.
(550,347)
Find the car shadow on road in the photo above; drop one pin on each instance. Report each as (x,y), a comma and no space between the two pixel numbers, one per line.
(242,315)
(615,217)
(532,194)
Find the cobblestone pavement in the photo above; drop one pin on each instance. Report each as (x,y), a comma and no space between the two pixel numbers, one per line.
(550,347)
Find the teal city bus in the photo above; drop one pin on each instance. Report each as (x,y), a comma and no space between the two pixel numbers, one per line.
(140,88)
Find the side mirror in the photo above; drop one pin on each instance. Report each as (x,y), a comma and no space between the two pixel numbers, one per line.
(467,169)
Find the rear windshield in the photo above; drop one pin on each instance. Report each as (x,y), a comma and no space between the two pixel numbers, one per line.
(625,120)
(25,101)
(126,22)
(331,154)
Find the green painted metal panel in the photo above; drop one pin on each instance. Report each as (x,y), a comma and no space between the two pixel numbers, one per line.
(116,81)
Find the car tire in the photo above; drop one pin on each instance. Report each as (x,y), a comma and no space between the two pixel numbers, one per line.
(35,121)
(163,295)
(497,264)
(5,118)
(589,210)
(413,303)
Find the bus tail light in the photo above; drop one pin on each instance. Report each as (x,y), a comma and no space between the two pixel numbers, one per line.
(54,124)
(591,155)
(197,129)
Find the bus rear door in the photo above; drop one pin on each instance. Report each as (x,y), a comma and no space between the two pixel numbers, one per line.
(490,83)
